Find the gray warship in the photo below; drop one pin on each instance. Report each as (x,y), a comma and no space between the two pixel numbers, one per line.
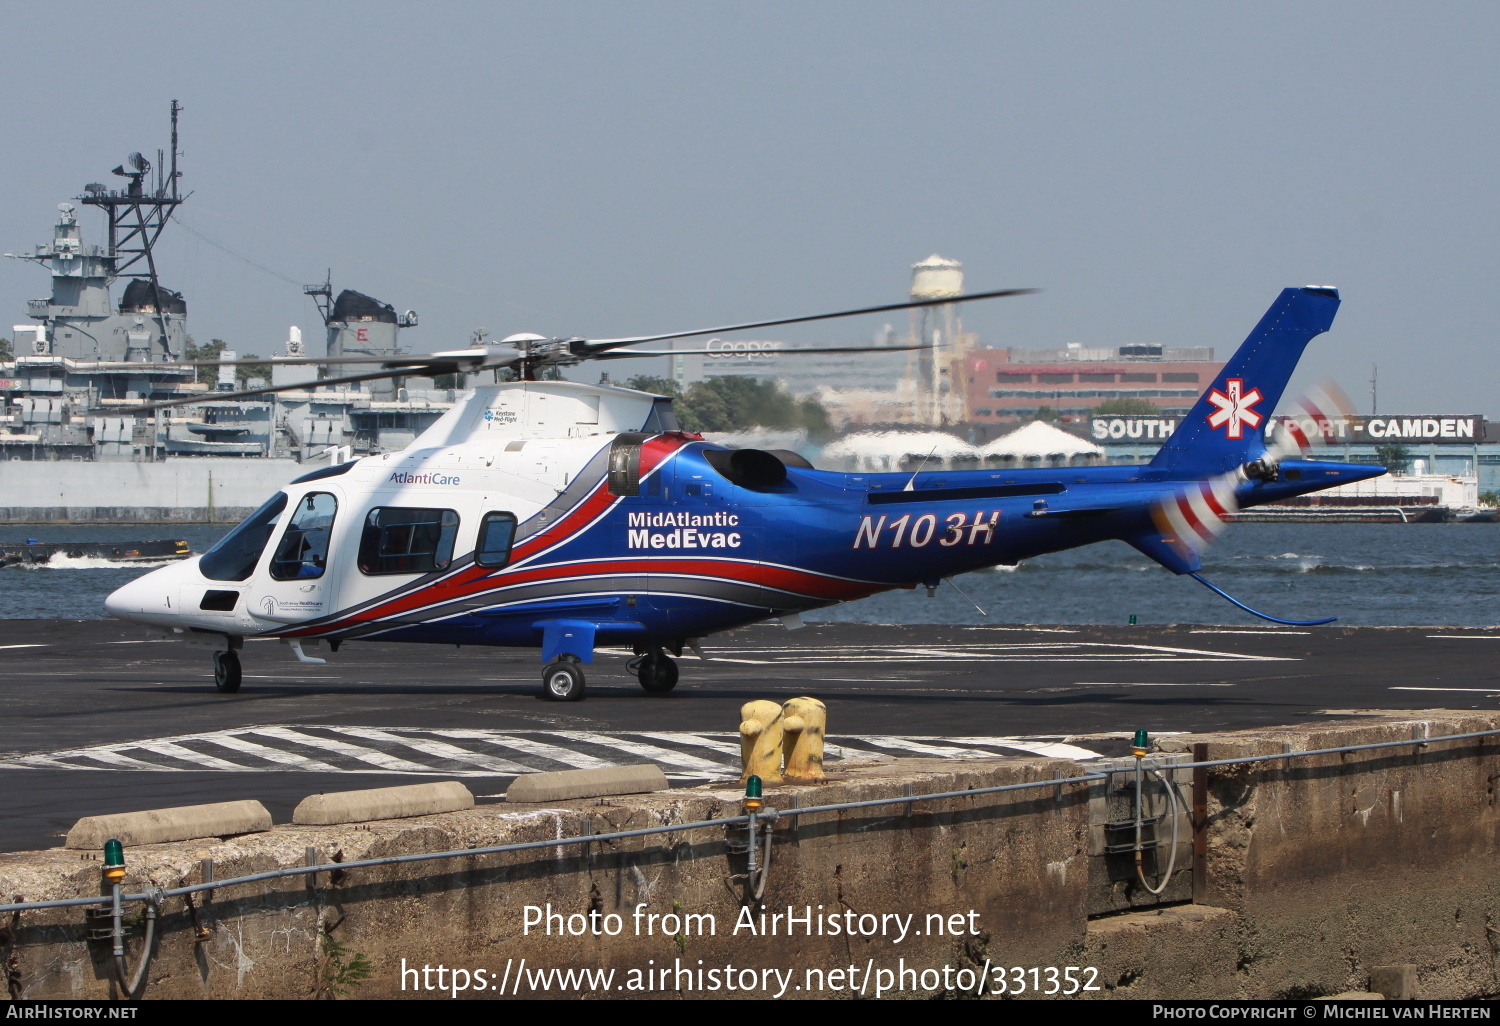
(66,456)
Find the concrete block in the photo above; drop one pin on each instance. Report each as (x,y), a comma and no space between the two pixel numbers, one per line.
(587,783)
(156,826)
(1396,982)
(383,803)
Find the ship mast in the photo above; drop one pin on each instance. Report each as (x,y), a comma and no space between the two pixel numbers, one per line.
(137,216)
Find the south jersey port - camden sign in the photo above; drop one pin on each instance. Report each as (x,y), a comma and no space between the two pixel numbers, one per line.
(1438,430)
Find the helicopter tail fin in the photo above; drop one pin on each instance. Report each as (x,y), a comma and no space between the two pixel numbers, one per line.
(1227,425)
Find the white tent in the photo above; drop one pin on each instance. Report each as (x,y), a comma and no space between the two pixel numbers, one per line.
(1039,440)
(888,450)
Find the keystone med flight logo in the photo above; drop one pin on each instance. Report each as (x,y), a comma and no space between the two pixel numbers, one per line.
(1235,409)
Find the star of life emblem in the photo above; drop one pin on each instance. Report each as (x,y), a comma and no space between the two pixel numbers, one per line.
(1235,409)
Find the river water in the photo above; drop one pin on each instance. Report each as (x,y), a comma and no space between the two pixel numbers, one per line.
(1365,574)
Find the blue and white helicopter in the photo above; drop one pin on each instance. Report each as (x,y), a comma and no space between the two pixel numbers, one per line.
(567,517)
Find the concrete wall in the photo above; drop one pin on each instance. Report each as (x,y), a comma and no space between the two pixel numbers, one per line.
(172,491)
(1307,876)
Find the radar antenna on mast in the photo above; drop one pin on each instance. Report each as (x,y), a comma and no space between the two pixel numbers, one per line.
(137,216)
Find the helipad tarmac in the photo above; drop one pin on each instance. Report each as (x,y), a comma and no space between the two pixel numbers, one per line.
(97,717)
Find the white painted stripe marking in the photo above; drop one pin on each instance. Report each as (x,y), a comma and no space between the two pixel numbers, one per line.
(105,756)
(39,762)
(1466,637)
(196,759)
(1053,749)
(902,744)
(374,758)
(291,676)
(1156,684)
(276,755)
(1271,633)
(1026,630)
(25,646)
(437,748)
(578,760)
(1484,691)
(114,758)
(725,659)
(720,746)
(655,754)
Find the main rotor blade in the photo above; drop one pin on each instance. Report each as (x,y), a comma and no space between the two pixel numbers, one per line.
(210,397)
(477,355)
(636,354)
(611,343)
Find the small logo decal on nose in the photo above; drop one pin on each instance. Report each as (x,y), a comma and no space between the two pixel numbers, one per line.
(269,605)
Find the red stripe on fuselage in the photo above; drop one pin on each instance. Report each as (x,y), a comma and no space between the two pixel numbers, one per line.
(476,579)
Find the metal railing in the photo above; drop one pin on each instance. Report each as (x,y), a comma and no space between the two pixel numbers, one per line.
(156,895)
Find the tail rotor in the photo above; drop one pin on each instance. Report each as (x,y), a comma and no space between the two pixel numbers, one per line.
(1319,417)
(1194,514)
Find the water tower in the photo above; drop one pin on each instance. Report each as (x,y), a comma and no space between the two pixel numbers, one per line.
(939,327)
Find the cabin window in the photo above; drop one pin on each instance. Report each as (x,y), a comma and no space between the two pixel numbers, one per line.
(303,552)
(235,555)
(496,532)
(397,540)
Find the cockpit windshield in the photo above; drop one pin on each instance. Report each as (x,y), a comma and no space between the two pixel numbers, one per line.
(235,556)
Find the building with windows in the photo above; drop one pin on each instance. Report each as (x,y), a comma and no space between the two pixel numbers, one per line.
(1007,385)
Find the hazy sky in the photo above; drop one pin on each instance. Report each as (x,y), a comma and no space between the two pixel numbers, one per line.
(603,169)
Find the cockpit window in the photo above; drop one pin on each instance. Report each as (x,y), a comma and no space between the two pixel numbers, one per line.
(303,552)
(235,556)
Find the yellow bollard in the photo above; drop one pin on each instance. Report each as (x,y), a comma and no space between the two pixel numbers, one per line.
(802,724)
(760,741)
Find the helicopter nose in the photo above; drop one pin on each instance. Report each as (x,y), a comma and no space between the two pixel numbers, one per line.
(151,598)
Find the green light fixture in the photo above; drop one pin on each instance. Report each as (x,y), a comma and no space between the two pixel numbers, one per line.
(752,794)
(114,861)
(1141,745)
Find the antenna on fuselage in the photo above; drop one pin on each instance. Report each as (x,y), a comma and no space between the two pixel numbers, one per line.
(911,485)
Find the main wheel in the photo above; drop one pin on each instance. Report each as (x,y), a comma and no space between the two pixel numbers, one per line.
(562,681)
(227,672)
(657,673)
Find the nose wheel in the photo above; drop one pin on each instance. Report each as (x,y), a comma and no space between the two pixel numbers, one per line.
(562,681)
(657,672)
(227,672)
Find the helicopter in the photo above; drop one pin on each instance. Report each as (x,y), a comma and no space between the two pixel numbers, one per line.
(570,517)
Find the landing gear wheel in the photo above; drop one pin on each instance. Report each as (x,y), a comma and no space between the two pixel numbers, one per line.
(227,672)
(562,681)
(657,673)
